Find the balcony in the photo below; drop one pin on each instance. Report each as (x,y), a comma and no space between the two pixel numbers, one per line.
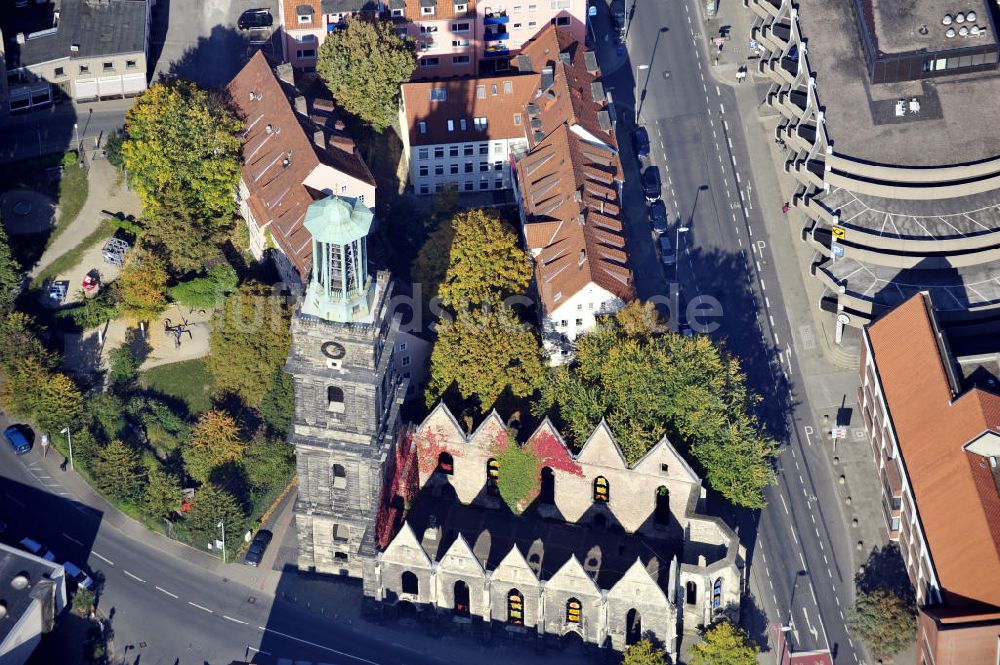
(495,35)
(496,51)
(495,18)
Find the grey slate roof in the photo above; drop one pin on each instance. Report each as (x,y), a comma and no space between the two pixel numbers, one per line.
(348,6)
(98,28)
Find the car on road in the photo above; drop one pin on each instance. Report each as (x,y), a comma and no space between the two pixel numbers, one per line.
(18,440)
(651,184)
(640,142)
(667,254)
(658,216)
(257,548)
(74,573)
(36,548)
(255,18)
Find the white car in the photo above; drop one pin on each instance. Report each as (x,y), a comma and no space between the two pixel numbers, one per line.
(37,549)
(81,578)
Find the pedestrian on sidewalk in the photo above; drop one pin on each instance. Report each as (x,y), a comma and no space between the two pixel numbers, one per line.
(65,462)
(785,208)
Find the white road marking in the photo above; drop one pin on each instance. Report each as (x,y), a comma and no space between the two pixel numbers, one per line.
(825,560)
(320,646)
(722,108)
(771,319)
(134,577)
(72,539)
(228,618)
(757,263)
(812,517)
(718,91)
(836,599)
(767,302)
(829,573)
(803,560)
(777,341)
(762,286)
(266,653)
(104,559)
(200,607)
(821,547)
(795,537)
(770,583)
(737,175)
(725,123)
(783,504)
(162,590)
(730,141)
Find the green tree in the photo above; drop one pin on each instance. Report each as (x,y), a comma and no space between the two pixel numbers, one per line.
(431,264)
(519,481)
(107,415)
(113,149)
(86,448)
(206,291)
(83,602)
(60,404)
(19,340)
(483,353)
(11,277)
(268,463)
(180,234)
(250,339)
(883,620)
(643,653)
(143,285)
(22,392)
(278,404)
(485,262)
(210,506)
(99,309)
(725,644)
(649,384)
(215,440)
(177,135)
(118,471)
(123,366)
(363,66)
(163,493)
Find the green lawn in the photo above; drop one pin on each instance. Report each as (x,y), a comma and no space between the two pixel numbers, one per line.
(72,195)
(188,381)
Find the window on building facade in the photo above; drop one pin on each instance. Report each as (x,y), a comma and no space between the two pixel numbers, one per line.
(480,92)
(339,477)
(108,66)
(439,94)
(532,24)
(428,28)
(409,583)
(494,90)
(460,60)
(492,477)
(451,125)
(498,165)
(515,608)
(459,43)
(691,593)
(425,189)
(422,126)
(341,533)
(305,18)
(661,512)
(405,361)
(453,151)
(517,26)
(602,492)
(130,64)
(468,167)
(460,27)
(468,186)
(517,119)
(562,21)
(439,152)
(335,399)
(423,171)
(58,71)
(468,150)
(439,169)
(498,183)
(306,39)
(532,8)
(480,124)
(461,9)
(427,11)
(399,13)
(518,8)
(717,593)
(573,611)
(423,153)
(84,69)
(464,125)
(484,166)
(429,62)
(454,169)
(461,599)
(446,463)
(484,184)
(579,322)
(547,484)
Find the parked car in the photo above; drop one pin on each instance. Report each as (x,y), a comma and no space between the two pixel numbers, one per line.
(255,18)
(658,216)
(17,439)
(640,142)
(36,548)
(667,254)
(651,183)
(74,573)
(257,548)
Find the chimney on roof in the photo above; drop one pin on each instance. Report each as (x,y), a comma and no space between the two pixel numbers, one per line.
(342,142)
(285,73)
(583,257)
(20,38)
(319,138)
(339,125)
(300,105)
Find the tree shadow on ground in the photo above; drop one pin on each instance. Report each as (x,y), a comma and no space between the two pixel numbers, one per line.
(885,569)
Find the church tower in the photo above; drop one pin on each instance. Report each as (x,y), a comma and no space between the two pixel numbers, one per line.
(347,396)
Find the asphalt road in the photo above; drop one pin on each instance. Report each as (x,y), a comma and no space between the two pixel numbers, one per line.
(798,545)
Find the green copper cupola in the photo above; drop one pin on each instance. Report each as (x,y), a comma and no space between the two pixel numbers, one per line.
(340,288)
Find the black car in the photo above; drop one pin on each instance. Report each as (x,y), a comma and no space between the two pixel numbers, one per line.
(640,142)
(255,18)
(257,548)
(651,184)
(658,216)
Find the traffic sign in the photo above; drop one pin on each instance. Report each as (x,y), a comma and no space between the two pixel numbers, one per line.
(837,250)
(752,45)
(592,10)
(839,232)
(838,433)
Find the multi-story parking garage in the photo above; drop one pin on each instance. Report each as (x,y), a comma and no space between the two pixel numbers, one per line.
(899,182)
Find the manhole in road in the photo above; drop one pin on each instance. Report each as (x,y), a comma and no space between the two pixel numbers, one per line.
(808,339)
(252,600)
(666,73)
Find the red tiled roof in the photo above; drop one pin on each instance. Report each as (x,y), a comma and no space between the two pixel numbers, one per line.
(443,9)
(569,181)
(275,133)
(957,505)
(466,99)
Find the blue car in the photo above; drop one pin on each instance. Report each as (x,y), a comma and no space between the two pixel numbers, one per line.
(640,141)
(18,441)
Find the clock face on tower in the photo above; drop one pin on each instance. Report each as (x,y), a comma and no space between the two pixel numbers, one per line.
(333,350)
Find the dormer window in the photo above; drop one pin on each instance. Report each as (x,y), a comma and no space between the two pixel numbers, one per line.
(427,11)
(461,8)
(398,13)
(305,14)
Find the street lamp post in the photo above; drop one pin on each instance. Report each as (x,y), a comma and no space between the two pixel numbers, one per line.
(677,248)
(638,95)
(76,132)
(222,525)
(69,437)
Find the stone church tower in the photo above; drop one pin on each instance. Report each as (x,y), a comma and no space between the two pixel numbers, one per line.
(347,396)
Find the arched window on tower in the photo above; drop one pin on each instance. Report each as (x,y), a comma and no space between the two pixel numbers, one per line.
(573,608)
(492,477)
(410,583)
(661,514)
(446,463)
(461,599)
(547,494)
(515,608)
(602,492)
(339,477)
(717,593)
(335,399)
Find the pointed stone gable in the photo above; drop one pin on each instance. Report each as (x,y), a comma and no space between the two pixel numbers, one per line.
(573,577)
(514,569)
(665,453)
(406,550)
(461,559)
(441,421)
(489,432)
(635,582)
(601,449)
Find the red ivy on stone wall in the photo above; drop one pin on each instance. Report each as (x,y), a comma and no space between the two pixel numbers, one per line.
(430,445)
(400,480)
(551,453)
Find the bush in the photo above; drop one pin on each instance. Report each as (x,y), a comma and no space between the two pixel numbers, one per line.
(208,290)
(268,464)
(98,310)
(279,403)
(113,149)
(107,416)
(83,601)
(123,366)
